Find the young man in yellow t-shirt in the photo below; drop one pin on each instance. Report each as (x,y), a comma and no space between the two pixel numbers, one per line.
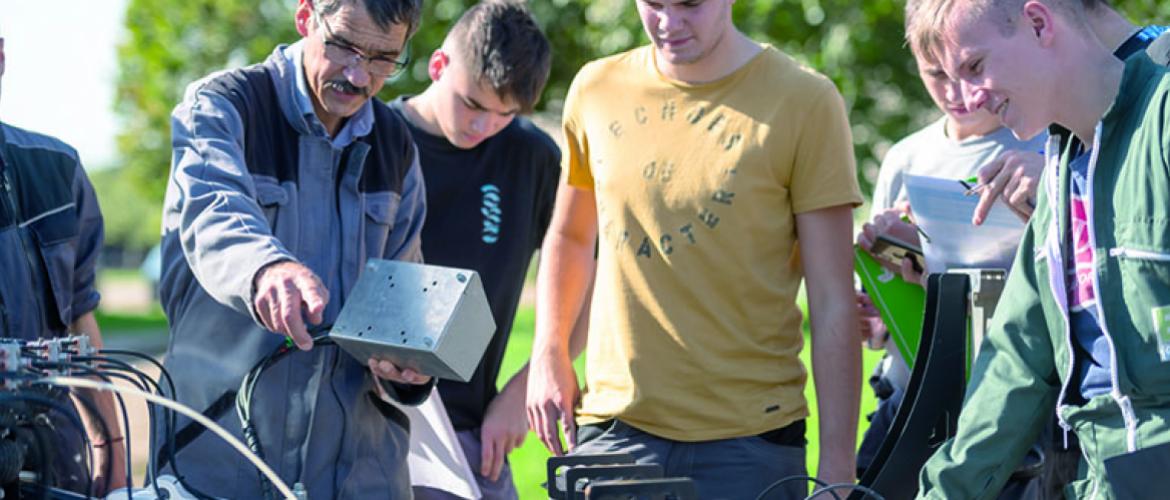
(694,163)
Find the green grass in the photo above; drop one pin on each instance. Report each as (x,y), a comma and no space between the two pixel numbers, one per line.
(130,323)
(528,461)
(119,274)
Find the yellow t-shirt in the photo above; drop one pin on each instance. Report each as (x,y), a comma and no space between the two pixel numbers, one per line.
(695,333)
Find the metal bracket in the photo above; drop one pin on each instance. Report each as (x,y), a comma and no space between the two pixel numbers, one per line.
(986,288)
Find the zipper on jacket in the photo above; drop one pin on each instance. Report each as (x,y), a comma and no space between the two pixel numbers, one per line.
(9,208)
(1123,401)
(7,184)
(1133,253)
(1060,293)
(4,330)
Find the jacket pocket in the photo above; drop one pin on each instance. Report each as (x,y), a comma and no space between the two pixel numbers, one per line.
(1139,254)
(271,196)
(281,210)
(381,210)
(55,233)
(1139,287)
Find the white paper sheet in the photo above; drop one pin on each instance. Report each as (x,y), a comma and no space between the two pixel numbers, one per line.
(436,460)
(943,211)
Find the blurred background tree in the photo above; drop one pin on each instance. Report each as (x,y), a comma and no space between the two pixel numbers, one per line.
(171,43)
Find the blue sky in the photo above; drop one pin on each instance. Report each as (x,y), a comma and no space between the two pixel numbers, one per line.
(61,69)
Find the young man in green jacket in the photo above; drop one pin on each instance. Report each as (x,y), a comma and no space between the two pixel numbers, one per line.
(1081,328)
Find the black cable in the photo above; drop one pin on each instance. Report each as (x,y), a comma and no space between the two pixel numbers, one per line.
(789,479)
(248,388)
(169,415)
(244,407)
(855,487)
(170,422)
(148,385)
(153,482)
(105,430)
(121,405)
(162,370)
(166,377)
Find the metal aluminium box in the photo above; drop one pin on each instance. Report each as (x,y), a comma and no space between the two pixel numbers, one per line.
(432,319)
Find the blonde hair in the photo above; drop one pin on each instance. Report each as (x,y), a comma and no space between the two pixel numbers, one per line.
(930,22)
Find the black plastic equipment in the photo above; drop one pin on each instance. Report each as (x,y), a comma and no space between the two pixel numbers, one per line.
(578,478)
(558,466)
(934,395)
(671,488)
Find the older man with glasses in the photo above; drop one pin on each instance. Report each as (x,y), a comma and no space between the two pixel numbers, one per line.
(285,178)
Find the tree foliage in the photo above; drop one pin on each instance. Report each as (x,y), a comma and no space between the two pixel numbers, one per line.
(171,43)
(131,221)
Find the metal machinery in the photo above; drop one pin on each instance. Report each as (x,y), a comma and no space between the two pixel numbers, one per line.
(430,318)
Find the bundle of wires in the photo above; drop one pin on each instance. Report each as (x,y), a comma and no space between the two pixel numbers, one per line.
(248,389)
(168,421)
(36,378)
(64,356)
(67,356)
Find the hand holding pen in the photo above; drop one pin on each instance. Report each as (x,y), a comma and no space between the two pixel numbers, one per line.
(1013,177)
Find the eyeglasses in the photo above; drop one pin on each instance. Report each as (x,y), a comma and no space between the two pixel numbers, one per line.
(347,55)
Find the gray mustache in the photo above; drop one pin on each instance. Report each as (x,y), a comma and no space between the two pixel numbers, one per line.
(348,88)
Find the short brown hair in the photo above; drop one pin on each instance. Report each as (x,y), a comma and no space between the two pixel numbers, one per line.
(385,13)
(505,49)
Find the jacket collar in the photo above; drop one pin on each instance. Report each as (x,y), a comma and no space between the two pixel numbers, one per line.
(1140,73)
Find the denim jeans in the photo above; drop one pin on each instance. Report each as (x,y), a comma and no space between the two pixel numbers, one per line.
(734,468)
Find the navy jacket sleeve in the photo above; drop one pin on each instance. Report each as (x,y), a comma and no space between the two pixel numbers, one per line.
(91,233)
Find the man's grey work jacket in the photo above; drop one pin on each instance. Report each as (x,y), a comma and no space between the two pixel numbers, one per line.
(255,180)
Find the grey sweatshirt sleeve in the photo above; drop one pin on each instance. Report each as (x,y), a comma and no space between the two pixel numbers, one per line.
(889,186)
(91,233)
(405,241)
(224,235)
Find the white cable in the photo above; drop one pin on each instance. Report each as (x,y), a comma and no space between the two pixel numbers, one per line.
(194,415)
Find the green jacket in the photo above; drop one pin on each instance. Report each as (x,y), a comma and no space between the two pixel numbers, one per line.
(1025,366)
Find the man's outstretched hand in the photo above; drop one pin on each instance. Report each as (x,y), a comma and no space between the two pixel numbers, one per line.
(288,293)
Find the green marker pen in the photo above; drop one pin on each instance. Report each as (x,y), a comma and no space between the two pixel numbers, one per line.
(906,219)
